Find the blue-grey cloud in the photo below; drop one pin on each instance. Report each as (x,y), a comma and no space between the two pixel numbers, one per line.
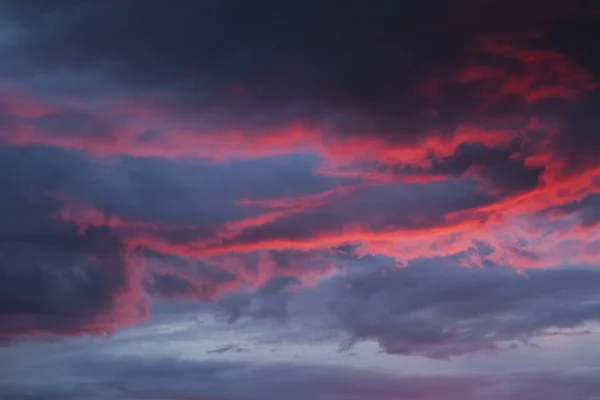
(167,378)
(441,311)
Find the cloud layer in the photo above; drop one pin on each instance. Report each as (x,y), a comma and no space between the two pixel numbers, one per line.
(442,311)
(129,378)
(424,176)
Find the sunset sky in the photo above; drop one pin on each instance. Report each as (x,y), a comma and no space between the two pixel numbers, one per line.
(299,199)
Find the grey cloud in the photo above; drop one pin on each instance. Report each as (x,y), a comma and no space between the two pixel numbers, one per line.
(374,208)
(269,301)
(57,279)
(432,308)
(54,279)
(227,348)
(57,286)
(157,190)
(186,277)
(443,311)
(169,378)
(588,209)
(194,194)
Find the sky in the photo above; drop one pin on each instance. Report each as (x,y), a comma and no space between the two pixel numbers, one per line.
(285,199)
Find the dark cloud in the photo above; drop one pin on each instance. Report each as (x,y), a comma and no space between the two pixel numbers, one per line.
(63,283)
(572,35)
(579,143)
(270,62)
(443,311)
(55,279)
(501,167)
(498,166)
(399,72)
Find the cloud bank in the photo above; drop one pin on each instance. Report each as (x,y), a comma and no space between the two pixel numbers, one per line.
(423,176)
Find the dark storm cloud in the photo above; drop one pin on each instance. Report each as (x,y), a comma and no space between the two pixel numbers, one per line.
(574,35)
(443,311)
(269,62)
(400,72)
(228,43)
(396,71)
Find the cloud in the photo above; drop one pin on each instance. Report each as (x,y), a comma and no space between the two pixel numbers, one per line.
(225,349)
(269,301)
(578,143)
(63,283)
(71,263)
(56,279)
(441,311)
(505,101)
(128,378)
(588,210)
(253,73)
(193,193)
(186,247)
(223,146)
(498,166)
